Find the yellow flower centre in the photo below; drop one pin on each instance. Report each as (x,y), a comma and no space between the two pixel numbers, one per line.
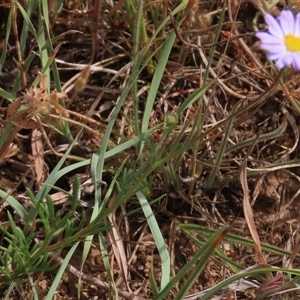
(292,43)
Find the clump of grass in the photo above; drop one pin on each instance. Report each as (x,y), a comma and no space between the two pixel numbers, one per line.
(169,130)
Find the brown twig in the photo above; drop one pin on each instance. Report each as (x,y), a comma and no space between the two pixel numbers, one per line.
(93,280)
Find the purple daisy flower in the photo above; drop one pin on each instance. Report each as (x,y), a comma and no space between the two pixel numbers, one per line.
(282,39)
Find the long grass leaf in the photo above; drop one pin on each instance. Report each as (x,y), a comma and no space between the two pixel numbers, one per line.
(188,266)
(60,272)
(16,206)
(5,44)
(158,238)
(157,76)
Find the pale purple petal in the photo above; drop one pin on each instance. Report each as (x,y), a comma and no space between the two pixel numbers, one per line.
(296,61)
(267,38)
(288,59)
(274,41)
(273,48)
(297,25)
(274,58)
(276,55)
(279,64)
(262,34)
(273,26)
(287,21)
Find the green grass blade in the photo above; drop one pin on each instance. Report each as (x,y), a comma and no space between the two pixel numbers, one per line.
(207,248)
(24,32)
(158,238)
(6,95)
(221,150)
(157,76)
(16,206)
(5,44)
(60,272)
